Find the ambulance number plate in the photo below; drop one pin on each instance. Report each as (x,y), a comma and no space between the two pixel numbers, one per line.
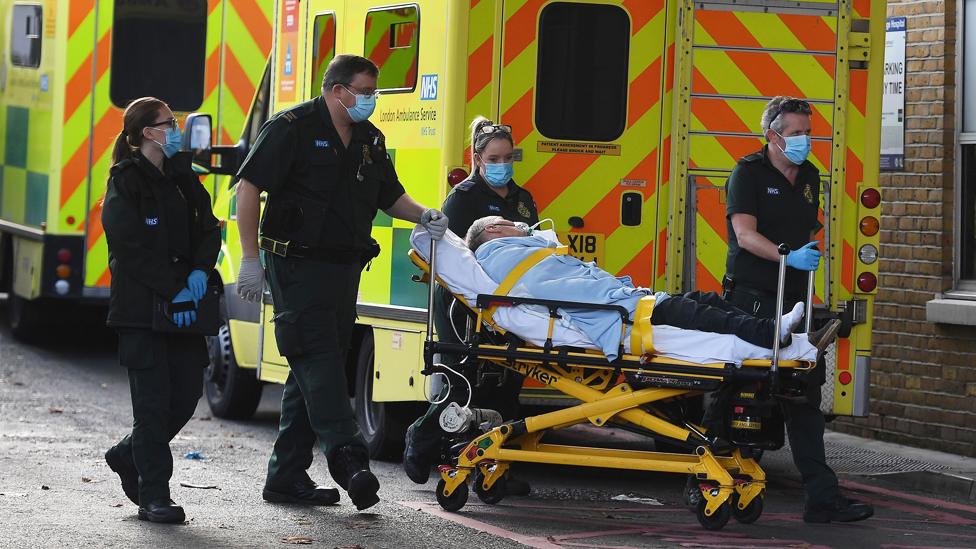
(586,246)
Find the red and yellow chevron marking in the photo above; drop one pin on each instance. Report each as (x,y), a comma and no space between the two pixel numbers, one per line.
(235,61)
(323,50)
(576,184)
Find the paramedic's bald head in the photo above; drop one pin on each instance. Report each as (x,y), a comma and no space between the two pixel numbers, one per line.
(490,228)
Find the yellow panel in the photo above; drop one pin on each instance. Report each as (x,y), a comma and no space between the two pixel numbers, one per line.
(245,335)
(28,258)
(269,346)
(398,360)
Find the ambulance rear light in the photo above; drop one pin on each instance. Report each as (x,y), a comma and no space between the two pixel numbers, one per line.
(64,255)
(870,198)
(456,176)
(63,271)
(870,225)
(62,287)
(868,254)
(845,378)
(867,282)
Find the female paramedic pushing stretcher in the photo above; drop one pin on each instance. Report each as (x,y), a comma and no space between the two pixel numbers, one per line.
(163,241)
(489,190)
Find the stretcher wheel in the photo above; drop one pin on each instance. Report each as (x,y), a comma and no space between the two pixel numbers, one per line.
(752,511)
(456,500)
(492,495)
(719,518)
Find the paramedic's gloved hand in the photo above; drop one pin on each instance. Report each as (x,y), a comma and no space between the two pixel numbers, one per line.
(250,279)
(183,319)
(435,222)
(806,258)
(197,284)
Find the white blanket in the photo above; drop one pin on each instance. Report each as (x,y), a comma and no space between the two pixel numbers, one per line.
(458,268)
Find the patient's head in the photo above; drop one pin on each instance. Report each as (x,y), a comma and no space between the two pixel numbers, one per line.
(490,228)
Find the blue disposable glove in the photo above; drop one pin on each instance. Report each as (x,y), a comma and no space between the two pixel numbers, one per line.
(197,284)
(183,319)
(806,258)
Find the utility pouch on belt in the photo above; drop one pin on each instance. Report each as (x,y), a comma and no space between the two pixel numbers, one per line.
(288,219)
(373,250)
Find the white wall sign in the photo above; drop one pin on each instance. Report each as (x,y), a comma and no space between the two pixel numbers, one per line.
(893,100)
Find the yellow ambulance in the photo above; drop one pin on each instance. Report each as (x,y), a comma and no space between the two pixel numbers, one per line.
(628,116)
(68,69)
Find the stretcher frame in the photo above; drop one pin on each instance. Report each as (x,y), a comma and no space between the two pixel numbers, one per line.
(731,485)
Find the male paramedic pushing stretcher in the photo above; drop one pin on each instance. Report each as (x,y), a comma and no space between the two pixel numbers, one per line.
(773,198)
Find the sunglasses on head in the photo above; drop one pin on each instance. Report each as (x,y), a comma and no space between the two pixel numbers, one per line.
(792,105)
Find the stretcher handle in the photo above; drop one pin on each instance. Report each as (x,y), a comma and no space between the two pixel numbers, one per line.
(430,291)
(808,314)
(783,250)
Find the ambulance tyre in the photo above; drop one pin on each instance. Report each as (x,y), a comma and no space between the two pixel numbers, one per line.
(456,500)
(492,495)
(232,392)
(26,317)
(717,520)
(751,513)
(382,424)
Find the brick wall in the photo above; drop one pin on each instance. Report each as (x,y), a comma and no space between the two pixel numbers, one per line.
(923,379)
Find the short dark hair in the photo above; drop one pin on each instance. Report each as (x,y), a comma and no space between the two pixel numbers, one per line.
(343,68)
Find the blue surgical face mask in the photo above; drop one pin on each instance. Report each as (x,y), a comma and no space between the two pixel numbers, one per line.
(173,142)
(797,148)
(498,175)
(365,105)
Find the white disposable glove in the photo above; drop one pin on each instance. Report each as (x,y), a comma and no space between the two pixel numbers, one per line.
(435,222)
(250,279)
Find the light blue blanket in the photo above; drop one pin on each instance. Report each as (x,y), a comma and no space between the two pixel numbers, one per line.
(565,278)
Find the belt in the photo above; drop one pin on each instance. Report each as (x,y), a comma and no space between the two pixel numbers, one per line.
(730,286)
(300,251)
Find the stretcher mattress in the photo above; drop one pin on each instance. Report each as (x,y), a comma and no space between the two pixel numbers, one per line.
(457,267)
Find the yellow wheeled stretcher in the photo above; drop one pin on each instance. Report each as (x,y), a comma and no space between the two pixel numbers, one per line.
(637,391)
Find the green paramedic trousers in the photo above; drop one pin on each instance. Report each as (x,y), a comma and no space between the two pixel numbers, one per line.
(315,311)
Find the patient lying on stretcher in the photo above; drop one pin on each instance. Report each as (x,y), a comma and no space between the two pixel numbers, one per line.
(698,327)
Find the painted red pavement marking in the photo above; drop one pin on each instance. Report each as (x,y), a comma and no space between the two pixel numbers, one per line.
(940,516)
(902,495)
(435,509)
(891,546)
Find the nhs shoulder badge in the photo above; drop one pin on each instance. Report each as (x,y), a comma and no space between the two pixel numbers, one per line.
(523,210)
(772,191)
(321,144)
(152,221)
(808,193)
(493,208)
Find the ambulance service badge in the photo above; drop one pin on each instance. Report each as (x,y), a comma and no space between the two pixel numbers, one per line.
(523,210)
(808,193)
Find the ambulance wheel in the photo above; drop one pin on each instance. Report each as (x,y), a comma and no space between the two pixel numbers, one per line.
(751,513)
(719,518)
(456,500)
(26,317)
(382,424)
(492,495)
(232,392)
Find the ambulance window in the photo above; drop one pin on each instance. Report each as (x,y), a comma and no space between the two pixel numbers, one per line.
(323,50)
(581,86)
(159,50)
(25,37)
(392,38)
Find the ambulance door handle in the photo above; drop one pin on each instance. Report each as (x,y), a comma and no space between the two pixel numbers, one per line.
(630,208)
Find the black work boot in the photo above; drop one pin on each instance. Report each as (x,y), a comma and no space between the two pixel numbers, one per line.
(162,510)
(840,509)
(516,487)
(302,492)
(126,470)
(349,466)
(417,460)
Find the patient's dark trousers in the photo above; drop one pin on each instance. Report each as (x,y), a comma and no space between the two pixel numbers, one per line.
(708,312)
(804,421)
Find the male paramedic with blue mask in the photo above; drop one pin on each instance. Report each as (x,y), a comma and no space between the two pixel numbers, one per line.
(326,171)
(773,197)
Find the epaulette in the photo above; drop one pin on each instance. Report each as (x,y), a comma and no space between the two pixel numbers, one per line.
(298,111)
(754,157)
(465,185)
(125,163)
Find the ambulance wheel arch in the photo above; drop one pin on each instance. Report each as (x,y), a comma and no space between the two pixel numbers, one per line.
(382,424)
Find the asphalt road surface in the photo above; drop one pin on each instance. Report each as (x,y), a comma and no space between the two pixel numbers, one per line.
(64,401)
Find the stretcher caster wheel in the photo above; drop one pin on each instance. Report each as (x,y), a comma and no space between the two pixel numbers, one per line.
(719,518)
(752,511)
(456,500)
(492,495)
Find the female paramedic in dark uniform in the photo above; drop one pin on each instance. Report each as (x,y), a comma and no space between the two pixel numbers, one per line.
(489,190)
(163,241)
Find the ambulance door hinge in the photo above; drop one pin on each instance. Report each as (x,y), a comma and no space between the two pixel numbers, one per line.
(859,44)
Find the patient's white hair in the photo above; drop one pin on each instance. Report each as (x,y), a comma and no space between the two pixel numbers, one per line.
(476,233)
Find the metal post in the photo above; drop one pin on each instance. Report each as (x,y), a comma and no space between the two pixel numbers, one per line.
(430,291)
(808,314)
(784,250)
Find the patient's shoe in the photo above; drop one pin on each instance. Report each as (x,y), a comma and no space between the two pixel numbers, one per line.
(791,321)
(840,509)
(822,338)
